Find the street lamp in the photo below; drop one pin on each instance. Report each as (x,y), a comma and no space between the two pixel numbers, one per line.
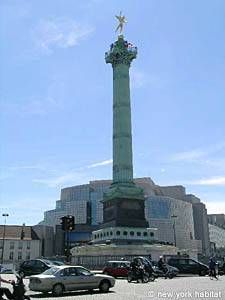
(3,238)
(174,230)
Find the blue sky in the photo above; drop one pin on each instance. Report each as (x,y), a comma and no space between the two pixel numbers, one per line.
(56,98)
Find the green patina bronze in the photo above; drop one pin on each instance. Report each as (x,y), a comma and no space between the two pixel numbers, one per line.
(120,56)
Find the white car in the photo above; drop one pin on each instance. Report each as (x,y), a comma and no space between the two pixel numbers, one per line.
(60,279)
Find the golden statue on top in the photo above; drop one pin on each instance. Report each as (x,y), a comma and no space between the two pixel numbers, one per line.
(122,21)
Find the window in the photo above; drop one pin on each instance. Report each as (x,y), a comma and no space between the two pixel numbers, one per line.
(11,245)
(111,233)
(145,233)
(83,272)
(125,233)
(72,271)
(151,233)
(28,244)
(138,233)
(132,233)
(118,232)
(39,264)
(28,255)
(19,255)
(11,255)
(20,246)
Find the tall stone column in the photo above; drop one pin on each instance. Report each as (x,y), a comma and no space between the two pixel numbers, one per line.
(120,58)
(123,204)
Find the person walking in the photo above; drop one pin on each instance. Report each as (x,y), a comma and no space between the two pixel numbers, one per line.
(212,269)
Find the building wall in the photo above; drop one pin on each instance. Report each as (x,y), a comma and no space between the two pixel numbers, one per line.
(169,200)
(201,226)
(217,236)
(46,236)
(77,208)
(159,210)
(16,251)
(217,219)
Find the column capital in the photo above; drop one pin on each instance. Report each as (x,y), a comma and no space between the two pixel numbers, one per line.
(121,52)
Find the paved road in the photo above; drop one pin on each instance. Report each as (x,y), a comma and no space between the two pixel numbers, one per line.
(184,288)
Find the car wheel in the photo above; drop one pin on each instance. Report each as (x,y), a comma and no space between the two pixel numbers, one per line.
(129,278)
(151,277)
(145,278)
(202,273)
(27,297)
(57,290)
(104,286)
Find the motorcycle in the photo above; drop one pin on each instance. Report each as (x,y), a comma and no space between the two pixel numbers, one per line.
(138,274)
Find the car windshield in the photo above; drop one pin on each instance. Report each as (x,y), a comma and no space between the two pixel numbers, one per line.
(48,262)
(51,271)
(57,263)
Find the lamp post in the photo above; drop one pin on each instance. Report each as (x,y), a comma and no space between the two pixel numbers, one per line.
(3,237)
(174,229)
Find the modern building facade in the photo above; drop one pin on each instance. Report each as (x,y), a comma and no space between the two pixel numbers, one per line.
(217,220)
(217,236)
(160,204)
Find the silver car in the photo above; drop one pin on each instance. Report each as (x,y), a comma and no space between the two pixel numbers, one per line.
(59,279)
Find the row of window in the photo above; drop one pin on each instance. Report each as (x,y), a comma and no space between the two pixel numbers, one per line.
(125,233)
(11,255)
(20,245)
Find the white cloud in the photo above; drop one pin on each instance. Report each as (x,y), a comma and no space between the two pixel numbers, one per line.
(215,207)
(188,155)
(59,33)
(197,154)
(74,178)
(214,181)
(101,163)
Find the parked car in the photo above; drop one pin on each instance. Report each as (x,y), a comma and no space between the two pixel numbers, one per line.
(58,262)
(4,270)
(60,279)
(34,266)
(116,268)
(221,267)
(189,266)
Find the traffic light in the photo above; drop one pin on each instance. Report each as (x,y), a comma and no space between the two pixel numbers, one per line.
(67,223)
(70,223)
(64,223)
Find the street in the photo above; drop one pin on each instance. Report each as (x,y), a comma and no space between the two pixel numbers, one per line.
(174,289)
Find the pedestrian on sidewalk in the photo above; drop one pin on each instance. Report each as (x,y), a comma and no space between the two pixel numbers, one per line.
(212,269)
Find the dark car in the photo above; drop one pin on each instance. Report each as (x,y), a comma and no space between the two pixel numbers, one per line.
(221,267)
(34,266)
(117,268)
(189,266)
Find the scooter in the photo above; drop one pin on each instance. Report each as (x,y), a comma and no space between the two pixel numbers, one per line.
(19,288)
